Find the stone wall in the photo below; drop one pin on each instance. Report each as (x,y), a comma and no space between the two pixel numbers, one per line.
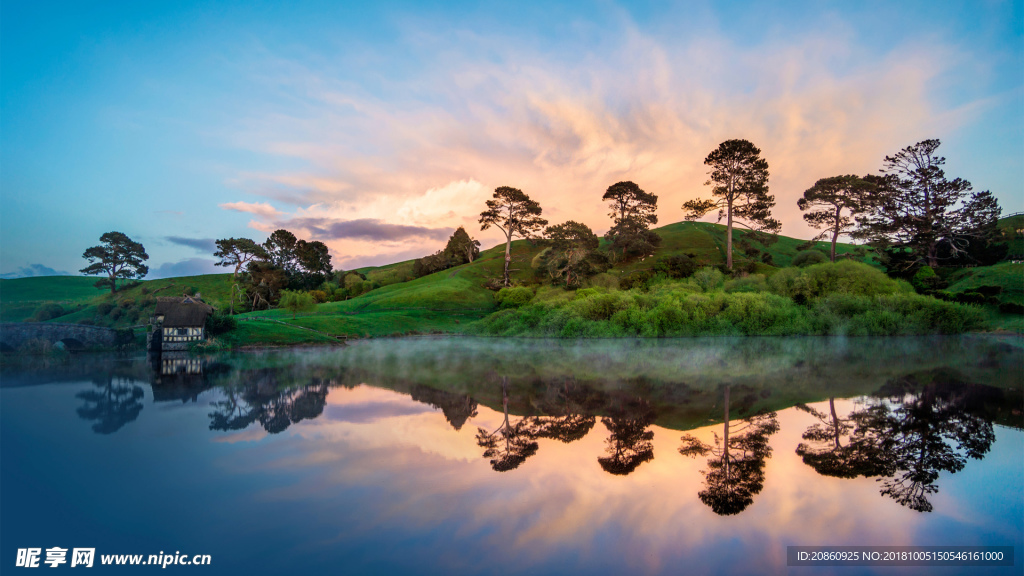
(15,334)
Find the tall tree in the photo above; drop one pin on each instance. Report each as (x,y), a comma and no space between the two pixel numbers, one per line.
(917,210)
(315,261)
(515,214)
(827,200)
(118,257)
(280,247)
(573,254)
(461,248)
(238,252)
(633,212)
(739,181)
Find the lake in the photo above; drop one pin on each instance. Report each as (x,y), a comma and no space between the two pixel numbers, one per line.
(489,456)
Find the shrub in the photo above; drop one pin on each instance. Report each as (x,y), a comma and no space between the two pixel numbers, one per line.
(750,283)
(126,303)
(635,280)
(808,258)
(926,281)
(318,295)
(1011,308)
(116,313)
(603,280)
(339,295)
(296,302)
(708,279)
(219,324)
(845,276)
(104,308)
(48,311)
(513,297)
(678,266)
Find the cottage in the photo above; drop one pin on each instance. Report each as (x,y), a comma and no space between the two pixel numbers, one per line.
(178,322)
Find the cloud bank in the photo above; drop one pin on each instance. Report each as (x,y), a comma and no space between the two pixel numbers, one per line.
(34,270)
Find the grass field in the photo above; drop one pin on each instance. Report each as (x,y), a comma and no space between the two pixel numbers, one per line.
(447,301)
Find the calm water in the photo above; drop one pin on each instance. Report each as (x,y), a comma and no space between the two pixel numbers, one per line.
(460,456)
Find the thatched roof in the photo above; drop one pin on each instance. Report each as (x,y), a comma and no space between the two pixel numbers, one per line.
(183,312)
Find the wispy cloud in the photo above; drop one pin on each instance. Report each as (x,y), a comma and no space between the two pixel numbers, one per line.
(366,229)
(204,245)
(259,208)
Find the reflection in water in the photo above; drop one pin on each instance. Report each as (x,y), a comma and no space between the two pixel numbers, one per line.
(629,445)
(457,408)
(913,428)
(258,399)
(735,471)
(117,402)
(833,450)
(512,442)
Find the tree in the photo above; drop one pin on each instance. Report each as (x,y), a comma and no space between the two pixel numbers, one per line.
(739,180)
(238,252)
(828,198)
(633,212)
(112,406)
(916,210)
(515,214)
(512,443)
(573,254)
(296,302)
(280,247)
(630,443)
(461,248)
(118,257)
(314,259)
(832,449)
(263,284)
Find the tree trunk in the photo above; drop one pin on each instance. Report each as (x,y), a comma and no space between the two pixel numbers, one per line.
(835,235)
(113,282)
(508,256)
(835,419)
(728,241)
(725,443)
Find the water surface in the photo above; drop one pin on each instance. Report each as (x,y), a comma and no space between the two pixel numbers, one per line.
(464,456)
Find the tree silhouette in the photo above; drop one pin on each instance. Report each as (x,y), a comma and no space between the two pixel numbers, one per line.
(113,405)
(735,471)
(629,444)
(739,179)
(238,252)
(826,201)
(259,400)
(511,443)
(633,212)
(118,257)
(515,214)
(832,448)
(925,424)
(457,408)
(916,210)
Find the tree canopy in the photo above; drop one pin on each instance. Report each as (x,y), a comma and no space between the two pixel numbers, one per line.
(118,257)
(633,212)
(573,254)
(739,183)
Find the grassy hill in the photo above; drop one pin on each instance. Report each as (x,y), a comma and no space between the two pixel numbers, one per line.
(446,301)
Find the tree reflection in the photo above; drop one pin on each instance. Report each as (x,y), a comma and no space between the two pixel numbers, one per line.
(512,443)
(914,428)
(833,449)
(114,404)
(457,408)
(567,405)
(735,471)
(629,444)
(259,400)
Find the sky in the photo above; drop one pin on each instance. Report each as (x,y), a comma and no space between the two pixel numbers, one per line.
(378,128)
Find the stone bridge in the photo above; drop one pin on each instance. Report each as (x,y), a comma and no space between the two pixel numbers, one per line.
(14,335)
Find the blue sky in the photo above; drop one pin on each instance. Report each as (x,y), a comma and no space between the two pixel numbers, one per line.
(379,128)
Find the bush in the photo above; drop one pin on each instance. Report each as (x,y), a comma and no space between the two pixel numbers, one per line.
(636,280)
(679,266)
(104,308)
(845,276)
(116,313)
(603,280)
(48,311)
(749,283)
(339,295)
(513,297)
(220,324)
(319,296)
(1011,308)
(708,279)
(126,303)
(808,258)
(296,302)
(926,281)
